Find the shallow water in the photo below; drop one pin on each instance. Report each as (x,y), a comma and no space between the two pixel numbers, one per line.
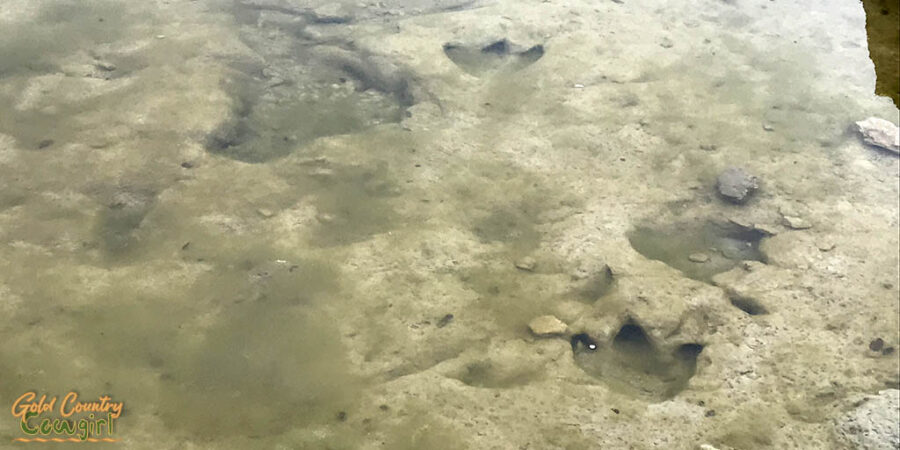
(296,224)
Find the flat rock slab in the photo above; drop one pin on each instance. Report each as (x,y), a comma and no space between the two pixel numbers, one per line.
(547,326)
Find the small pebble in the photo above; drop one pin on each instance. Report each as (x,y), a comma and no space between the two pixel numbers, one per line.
(876,345)
(45,143)
(265,212)
(107,66)
(527,263)
(698,257)
(796,223)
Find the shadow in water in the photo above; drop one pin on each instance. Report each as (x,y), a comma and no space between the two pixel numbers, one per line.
(699,249)
(632,364)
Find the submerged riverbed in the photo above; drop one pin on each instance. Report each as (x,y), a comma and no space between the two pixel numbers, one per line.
(318,225)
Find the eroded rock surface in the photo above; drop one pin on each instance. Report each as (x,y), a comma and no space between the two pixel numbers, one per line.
(198,195)
(873,424)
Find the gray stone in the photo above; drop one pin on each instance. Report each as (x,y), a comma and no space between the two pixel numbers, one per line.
(105,65)
(698,257)
(547,326)
(873,424)
(736,185)
(880,133)
(527,263)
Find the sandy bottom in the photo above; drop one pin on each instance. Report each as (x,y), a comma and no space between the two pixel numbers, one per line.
(304,224)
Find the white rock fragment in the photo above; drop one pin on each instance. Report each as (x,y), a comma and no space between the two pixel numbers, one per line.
(873,424)
(547,326)
(880,133)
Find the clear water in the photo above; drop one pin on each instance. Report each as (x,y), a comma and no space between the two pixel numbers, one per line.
(250,219)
